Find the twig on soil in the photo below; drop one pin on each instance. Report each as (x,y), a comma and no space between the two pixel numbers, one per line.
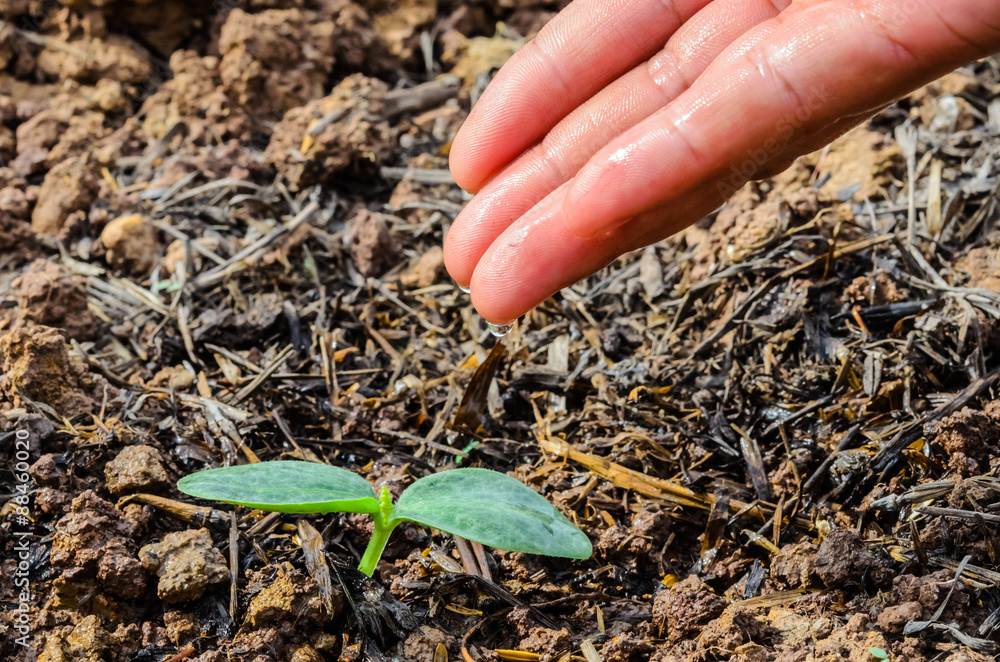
(200,515)
(234,566)
(419,175)
(768,285)
(249,255)
(657,488)
(266,373)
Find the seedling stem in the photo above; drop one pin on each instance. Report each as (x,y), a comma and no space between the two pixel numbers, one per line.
(380,536)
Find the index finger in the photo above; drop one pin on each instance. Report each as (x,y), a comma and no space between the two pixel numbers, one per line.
(588,45)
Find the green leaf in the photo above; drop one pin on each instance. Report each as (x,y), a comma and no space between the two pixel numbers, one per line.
(878,652)
(493,509)
(285,486)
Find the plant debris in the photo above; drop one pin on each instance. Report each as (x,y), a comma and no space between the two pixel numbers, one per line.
(220,231)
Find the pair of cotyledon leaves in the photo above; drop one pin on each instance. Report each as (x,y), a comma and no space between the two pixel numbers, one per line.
(478,504)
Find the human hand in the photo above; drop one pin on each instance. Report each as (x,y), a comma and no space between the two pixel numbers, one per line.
(596,138)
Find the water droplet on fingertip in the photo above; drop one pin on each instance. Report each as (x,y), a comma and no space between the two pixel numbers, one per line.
(499,330)
(465,289)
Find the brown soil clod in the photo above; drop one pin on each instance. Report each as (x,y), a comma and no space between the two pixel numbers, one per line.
(290,597)
(48,295)
(94,541)
(130,242)
(686,608)
(186,563)
(39,366)
(372,247)
(136,469)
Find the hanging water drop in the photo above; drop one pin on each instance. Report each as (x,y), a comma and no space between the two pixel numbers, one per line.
(499,330)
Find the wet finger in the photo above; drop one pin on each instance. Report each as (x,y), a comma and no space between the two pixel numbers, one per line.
(585,47)
(813,67)
(538,256)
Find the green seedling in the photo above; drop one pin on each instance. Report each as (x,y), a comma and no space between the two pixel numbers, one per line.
(478,504)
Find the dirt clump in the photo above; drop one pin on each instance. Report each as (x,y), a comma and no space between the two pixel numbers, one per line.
(790,628)
(131,243)
(736,626)
(372,247)
(54,135)
(95,541)
(400,28)
(969,437)
(794,567)
(181,626)
(853,641)
(88,641)
(49,295)
(858,165)
(136,469)
(18,234)
(342,131)
(59,121)
(187,564)
(194,99)
(45,471)
(52,497)
(275,60)
(84,50)
(625,643)
(982,266)
(36,363)
(68,189)
(843,561)
(427,270)
(641,541)
(17,201)
(968,656)
(929,590)
(895,617)
(685,608)
(476,56)
(290,596)
(306,654)
(422,643)
(550,644)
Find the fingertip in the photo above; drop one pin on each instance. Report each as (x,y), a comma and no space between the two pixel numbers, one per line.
(459,162)
(494,310)
(498,284)
(483,144)
(456,261)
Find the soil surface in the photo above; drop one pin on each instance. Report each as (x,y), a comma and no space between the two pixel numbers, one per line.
(220,230)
